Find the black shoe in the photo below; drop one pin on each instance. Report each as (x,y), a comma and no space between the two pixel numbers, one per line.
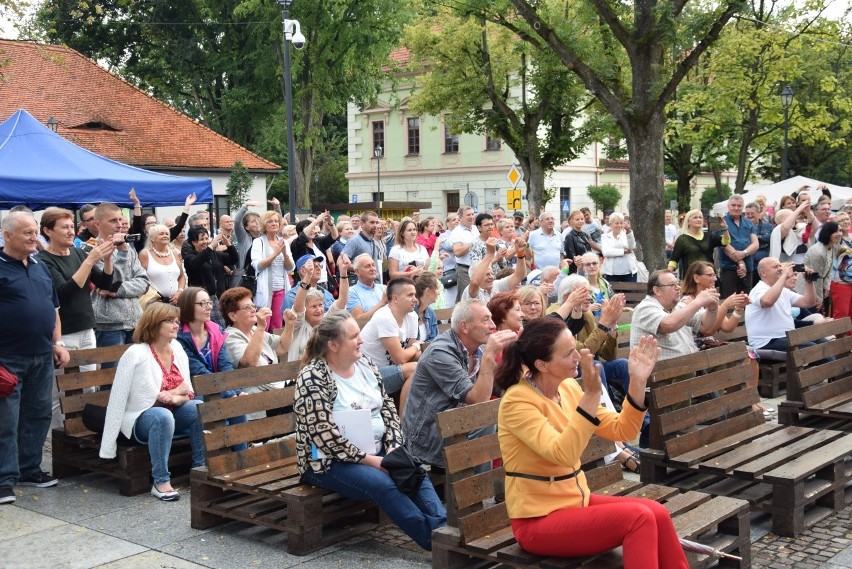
(7,495)
(40,480)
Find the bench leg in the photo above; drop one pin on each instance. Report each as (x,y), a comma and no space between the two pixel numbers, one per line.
(60,448)
(136,464)
(138,484)
(305,514)
(201,493)
(442,556)
(788,417)
(652,471)
(836,499)
(788,516)
(740,526)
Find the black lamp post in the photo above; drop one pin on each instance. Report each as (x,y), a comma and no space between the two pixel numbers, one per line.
(52,124)
(379,152)
(293,34)
(786,100)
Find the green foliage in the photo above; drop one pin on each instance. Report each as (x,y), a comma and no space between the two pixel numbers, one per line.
(605,197)
(491,81)
(669,194)
(712,195)
(238,185)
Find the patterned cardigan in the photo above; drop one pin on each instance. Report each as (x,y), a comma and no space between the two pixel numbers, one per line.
(316,391)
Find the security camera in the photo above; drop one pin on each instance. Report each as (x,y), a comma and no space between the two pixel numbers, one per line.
(294,34)
(298,40)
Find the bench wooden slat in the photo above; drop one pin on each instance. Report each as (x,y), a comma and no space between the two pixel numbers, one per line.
(709,450)
(785,454)
(823,329)
(807,464)
(828,391)
(491,542)
(231,463)
(73,380)
(686,442)
(472,453)
(76,403)
(804,357)
(216,409)
(468,418)
(241,378)
(232,435)
(680,419)
(484,522)
(685,389)
(92,356)
(742,453)
(816,374)
(729,354)
(697,521)
(686,501)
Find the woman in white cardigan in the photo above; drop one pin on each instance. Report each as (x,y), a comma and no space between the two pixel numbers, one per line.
(617,246)
(152,399)
(272,261)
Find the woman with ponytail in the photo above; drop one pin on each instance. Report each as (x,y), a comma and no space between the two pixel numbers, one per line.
(545,422)
(335,378)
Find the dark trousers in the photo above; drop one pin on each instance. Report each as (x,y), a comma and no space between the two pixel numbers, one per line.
(730,283)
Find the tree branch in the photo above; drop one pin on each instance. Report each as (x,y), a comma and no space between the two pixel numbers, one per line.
(614,24)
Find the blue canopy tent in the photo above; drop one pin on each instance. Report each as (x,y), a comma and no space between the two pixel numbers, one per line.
(39,168)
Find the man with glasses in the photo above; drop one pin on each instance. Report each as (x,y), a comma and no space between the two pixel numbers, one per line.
(87,233)
(673,329)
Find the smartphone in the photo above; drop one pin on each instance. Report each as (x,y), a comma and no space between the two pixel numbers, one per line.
(716,223)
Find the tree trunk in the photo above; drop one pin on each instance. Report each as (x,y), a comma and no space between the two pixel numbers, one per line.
(645,150)
(534,175)
(684,193)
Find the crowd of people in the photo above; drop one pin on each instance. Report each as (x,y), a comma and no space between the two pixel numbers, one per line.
(534,322)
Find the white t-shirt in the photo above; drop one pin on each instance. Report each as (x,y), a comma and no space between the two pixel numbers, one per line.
(463,235)
(765,324)
(361,391)
(420,257)
(383,325)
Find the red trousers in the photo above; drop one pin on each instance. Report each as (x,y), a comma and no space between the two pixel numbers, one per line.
(643,527)
(841,298)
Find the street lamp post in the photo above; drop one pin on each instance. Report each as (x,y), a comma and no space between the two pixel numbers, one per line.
(293,34)
(786,100)
(379,152)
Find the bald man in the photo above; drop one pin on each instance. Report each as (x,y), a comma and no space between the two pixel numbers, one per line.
(768,315)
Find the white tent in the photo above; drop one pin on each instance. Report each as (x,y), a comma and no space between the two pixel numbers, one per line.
(839,194)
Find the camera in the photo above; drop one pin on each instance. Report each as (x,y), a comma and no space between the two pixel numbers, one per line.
(799,268)
(298,40)
(132,237)
(811,277)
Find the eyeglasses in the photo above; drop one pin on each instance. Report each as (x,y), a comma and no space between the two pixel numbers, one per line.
(249,307)
(87,219)
(533,303)
(670,284)
(204,303)
(591,264)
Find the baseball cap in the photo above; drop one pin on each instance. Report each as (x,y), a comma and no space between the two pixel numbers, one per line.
(518,214)
(304,259)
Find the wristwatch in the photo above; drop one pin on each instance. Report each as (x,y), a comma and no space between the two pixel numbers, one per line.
(606,329)
(59,343)
(305,285)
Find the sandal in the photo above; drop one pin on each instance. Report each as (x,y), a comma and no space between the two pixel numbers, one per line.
(629,460)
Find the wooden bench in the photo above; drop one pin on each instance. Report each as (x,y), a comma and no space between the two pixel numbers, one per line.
(444,315)
(75,448)
(261,485)
(634,293)
(479,530)
(819,392)
(722,446)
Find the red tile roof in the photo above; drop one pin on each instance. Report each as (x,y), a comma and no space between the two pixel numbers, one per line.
(105,114)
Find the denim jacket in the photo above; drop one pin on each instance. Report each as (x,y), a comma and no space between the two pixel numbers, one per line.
(431,322)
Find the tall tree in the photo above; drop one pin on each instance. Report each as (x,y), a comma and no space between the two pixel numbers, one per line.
(222,61)
(631,56)
(492,82)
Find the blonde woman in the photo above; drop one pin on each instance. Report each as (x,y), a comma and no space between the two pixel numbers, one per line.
(163,264)
(695,244)
(617,246)
(271,259)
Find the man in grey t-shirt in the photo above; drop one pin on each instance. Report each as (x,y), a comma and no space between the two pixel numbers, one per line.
(456,369)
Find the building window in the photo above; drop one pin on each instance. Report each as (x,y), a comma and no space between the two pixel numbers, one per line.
(452,202)
(414,135)
(378,136)
(492,142)
(565,202)
(451,141)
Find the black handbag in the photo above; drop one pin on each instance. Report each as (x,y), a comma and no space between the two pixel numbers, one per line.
(94,417)
(449,279)
(249,278)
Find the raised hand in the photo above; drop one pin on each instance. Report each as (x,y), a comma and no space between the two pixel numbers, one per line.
(262,315)
(190,200)
(590,372)
(344,264)
(499,340)
(133,198)
(102,250)
(289,317)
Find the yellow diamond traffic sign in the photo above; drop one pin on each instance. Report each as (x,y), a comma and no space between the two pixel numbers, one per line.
(514,176)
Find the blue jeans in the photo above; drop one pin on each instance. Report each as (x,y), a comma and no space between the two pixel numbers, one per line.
(417,516)
(616,371)
(157,426)
(25,416)
(105,338)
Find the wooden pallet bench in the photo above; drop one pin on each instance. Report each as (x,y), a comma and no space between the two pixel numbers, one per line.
(720,445)
(634,293)
(75,448)
(479,530)
(819,392)
(261,485)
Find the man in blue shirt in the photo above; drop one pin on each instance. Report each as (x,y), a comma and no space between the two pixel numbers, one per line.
(364,242)
(764,233)
(28,349)
(310,269)
(367,295)
(737,262)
